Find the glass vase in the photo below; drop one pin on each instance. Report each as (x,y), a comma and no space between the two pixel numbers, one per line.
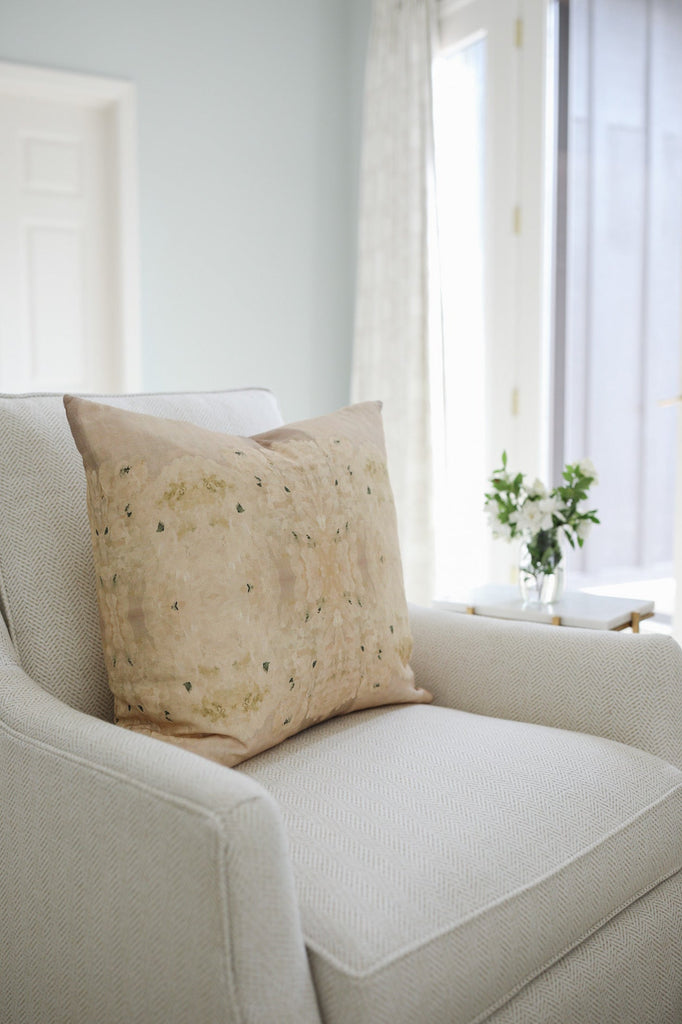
(541,568)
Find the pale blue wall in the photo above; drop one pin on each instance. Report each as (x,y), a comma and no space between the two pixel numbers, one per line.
(248,121)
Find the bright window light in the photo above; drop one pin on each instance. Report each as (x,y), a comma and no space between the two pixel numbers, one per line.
(459,115)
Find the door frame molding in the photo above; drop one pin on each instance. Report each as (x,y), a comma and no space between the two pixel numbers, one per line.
(118,98)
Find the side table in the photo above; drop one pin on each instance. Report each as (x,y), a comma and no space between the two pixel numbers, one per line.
(584,611)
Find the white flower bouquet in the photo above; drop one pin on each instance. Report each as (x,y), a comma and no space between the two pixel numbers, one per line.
(542,519)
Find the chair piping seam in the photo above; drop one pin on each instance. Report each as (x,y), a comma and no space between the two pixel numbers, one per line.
(392,958)
(221,839)
(533,975)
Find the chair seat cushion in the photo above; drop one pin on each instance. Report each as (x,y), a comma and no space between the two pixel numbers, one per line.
(444,859)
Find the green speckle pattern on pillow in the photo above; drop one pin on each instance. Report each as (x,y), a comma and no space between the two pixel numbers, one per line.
(248,587)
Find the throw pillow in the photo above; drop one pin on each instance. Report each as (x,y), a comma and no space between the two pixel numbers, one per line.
(248,587)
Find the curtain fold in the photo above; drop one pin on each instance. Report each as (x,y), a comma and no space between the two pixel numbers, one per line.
(394,321)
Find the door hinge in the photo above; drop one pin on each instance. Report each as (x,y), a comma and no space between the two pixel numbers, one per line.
(516,219)
(515,402)
(518,33)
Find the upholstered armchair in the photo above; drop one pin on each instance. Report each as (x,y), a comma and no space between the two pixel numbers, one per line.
(510,852)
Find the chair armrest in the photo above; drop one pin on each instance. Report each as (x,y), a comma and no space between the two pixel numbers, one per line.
(622,687)
(138,882)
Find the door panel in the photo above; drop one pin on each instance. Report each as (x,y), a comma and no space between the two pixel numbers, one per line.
(60,246)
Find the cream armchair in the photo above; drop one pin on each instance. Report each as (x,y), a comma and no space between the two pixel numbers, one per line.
(511,853)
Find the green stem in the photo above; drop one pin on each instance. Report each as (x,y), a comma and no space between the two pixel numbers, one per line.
(544,553)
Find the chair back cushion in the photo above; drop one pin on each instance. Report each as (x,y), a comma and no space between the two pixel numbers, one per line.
(47,576)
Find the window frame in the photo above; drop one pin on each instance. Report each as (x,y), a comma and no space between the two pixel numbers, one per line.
(518,287)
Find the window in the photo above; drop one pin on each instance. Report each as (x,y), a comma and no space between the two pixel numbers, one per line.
(618,327)
(459,115)
(491,196)
(559,182)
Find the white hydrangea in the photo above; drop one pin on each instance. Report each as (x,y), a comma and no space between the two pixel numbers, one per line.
(583,529)
(586,467)
(500,530)
(548,506)
(535,515)
(537,489)
(529,517)
(532,509)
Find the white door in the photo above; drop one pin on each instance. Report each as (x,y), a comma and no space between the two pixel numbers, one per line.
(63,272)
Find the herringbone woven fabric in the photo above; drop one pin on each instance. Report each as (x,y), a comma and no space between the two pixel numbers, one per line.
(47,577)
(442,858)
(626,688)
(629,972)
(449,868)
(139,884)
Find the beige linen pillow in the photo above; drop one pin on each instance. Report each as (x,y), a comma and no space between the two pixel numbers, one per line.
(248,586)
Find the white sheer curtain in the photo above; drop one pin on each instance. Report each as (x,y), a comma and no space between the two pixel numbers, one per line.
(393,320)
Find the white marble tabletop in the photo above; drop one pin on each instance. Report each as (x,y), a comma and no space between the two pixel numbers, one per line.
(586,611)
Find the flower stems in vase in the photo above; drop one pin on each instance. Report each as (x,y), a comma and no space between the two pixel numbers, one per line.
(542,520)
